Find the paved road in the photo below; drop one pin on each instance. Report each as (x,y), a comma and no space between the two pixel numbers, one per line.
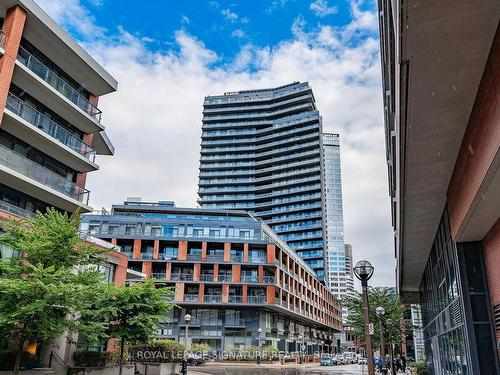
(299,370)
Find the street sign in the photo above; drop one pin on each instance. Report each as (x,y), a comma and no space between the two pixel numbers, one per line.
(371,331)
(303,347)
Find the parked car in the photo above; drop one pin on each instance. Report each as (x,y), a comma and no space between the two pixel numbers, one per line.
(328,361)
(361,361)
(195,360)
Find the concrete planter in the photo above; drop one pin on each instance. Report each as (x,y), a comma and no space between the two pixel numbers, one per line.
(158,368)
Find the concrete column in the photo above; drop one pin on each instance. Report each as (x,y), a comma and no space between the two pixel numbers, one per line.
(201,292)
(216,272)
(168,271)
(227,251)
(183,247)
(244,293)
(236,273)
(225,293)
(196,272)
(204,251)
(271,253)
(179,292)
(156,249)
(146,269)
(245,253)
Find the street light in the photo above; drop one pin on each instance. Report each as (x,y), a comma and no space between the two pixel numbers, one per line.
(301,341)
(187,319)
(258,355)
(380,311)
(364,271)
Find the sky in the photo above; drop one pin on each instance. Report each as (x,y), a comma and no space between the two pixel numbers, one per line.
(168,55)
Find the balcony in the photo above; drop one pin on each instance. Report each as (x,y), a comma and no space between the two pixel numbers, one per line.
(269,279)
(236,258)
(42,175)
(2,38)
(207,277)
(256,299)
(59,84)
(257,260)
(146,255)
(224,278)
(159,275)
(215,258)
(235,299)
(42,122)
(181,277)
(249,279)
(212,299)
(234,322)
(193,257)
(191,298)
(14,210)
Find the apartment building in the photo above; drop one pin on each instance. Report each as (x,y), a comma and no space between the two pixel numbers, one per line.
(261,151)
(441,82)
(51,128)
(229,270)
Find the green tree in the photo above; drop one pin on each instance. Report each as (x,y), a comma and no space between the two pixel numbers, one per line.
(41,295)
(394,312)
(129,313)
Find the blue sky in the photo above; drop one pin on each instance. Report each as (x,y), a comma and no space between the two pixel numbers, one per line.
(224,26)
(168,55)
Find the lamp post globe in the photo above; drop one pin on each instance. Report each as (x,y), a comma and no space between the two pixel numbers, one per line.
(380,311)
(363,270)
(187,318)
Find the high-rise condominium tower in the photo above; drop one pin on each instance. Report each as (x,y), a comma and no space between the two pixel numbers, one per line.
(261,151)
(50,124)
(335,254)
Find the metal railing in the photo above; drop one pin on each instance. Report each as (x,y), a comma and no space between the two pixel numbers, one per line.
(191,298)
(236,258)
(269,279)
(193,257)
(159,275)
(248,279)
(215,258)
(235,299)
(48,126)
(256,299)
(44,176)
(181,277)
(3,36)
(257,260)
(206,277)
(224,278)
(18,211)
(212,299)
(233,322)
(146,255)
(58,83)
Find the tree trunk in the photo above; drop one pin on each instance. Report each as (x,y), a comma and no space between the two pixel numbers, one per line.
(17,364)
(121,355)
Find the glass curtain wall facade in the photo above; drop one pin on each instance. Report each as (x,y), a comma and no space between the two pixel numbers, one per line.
(335,253)
(456,317)
(261,151)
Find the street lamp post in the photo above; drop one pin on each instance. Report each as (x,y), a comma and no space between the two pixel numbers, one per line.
(258,354)
(187,319)
(364,271)
(380,311)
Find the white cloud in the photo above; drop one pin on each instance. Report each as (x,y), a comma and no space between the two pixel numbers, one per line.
(185,19)
(154,120)
(238,33)
(321,8)
(229,15)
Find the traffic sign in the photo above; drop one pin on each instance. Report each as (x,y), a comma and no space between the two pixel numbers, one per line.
(371,330)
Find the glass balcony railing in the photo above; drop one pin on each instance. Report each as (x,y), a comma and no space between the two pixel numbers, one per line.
(224,278)
(235,299)
(207,277)
(42,122)
(54,80)
(181,277)
(212,299)
(2,38)
(18,211)
(256,299)
(159,275)
(44,176)
(248,279)
(191,298)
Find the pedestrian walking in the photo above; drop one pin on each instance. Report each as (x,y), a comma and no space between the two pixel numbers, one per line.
(403,362)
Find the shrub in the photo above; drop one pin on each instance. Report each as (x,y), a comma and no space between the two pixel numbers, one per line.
(91,359)
(8,358)
(159,351)
(422,368)
(200,347)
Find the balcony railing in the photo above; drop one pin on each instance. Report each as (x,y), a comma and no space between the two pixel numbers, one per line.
(42,122)
(257,260)
(54,80)
(233,322)
(2,38)
(269,279)
(215,258)
(18,211)
(159,275)
(212,299)
(193,256)
(44,176)
(146,255)
(235,299)
(224,278)
(127,253)
(181,277)
(248,279)
(191,298)
(256,299)
(206,277)
(236,258)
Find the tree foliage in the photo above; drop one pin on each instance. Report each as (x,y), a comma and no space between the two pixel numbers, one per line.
(394,312)
(41,292)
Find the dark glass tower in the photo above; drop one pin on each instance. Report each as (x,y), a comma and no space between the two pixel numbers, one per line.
(261,152)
